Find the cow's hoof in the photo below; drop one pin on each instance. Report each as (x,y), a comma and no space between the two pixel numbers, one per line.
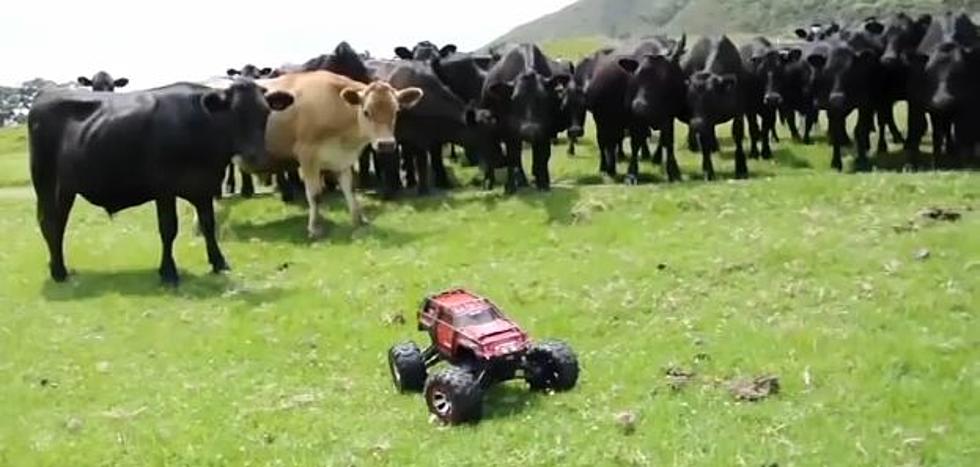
(219,268)
(741,175)
(169,279)
(59,274)
(631,180)
(248,193)
(709,177)
(315,233)
(360,220)
(510,189)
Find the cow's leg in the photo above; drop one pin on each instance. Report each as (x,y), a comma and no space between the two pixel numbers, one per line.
(704,140)
(408,164)
(53,209)
(693,140)
(420,158)
(620,151)
(667,142)
(314,185)
(541,156)
(738,134)
(167,224)
(645,145)
(809,120)
(608,145)
(754,134)
(346,179)
(882,132)
(866,118)
(452,153)
(917,124)
(633,171)
(658,155)
(571,145)
(892,126)
(205,218)
(768,128)
(838,132)
(229,180)
(364,179)
(789,116)
(248,185)
(439,175)
(489,164)
(940,131)
(518,161)
(513,156)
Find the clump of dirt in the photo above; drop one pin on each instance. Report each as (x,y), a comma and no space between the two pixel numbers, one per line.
(941,214)
(756,389)
(582,212)
(393,319)
(627,422)
(678,378)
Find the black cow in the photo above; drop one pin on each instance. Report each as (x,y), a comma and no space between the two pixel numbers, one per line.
(902,36)
(716,93)
(123,150)
(424,50)
(842,84)
(249,71)
(636,88)
(521,91)
(764,88)
(103,82)
(574,103)
(946,70)
(797,91)
(440,117)
(817,32)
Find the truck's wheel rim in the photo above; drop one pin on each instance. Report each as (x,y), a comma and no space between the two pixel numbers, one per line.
(441,403)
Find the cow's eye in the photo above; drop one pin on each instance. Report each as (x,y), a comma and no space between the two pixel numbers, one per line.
(367,113)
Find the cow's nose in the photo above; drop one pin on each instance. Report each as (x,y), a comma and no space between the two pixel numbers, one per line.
(386,146)
(530,131)
(943,101)
(576,132)
(889,59)
(773,99)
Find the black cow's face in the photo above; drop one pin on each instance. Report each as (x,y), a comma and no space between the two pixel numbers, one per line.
(531,101)
(245,107)
(840,75)
(949,76)
(901,38)
(711,98)
(424,51)
(103,82)
(573,105)
(657,88)
(251,71)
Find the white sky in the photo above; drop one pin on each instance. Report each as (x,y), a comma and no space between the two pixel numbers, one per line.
(155,43)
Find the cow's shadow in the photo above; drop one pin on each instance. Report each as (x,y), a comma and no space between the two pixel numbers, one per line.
(337,230)
(146,283)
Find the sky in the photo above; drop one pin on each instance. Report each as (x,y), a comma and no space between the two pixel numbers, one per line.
(157,43)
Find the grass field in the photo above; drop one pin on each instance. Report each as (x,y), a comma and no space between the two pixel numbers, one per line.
(864,309)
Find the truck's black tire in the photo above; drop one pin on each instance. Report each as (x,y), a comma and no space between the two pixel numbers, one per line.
(407,367)
(454,396)
(551,365)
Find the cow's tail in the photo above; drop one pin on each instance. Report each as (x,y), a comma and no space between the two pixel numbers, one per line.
(43,145)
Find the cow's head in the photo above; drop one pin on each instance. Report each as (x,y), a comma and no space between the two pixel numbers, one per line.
(841,71)
(243,110)
(103,82)
(530,103)
(377,107)
(818,32)
(948,64)
(425,51)
(709,96)
(656,86)
(902,36)
(771,66)
(250,71)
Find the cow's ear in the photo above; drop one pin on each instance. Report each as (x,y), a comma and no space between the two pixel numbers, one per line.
(924,21)
(120,83)
(279,100)
(403,53)
(817,61)
(447,50)
(679,49)
(409,97)
(502,90)
(84,81)
(874,27)
(265,71)
(629,64)
(216,102)
(352,97)
(232,72)
(801,33)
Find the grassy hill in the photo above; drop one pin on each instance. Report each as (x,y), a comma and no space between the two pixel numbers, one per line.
(626,18)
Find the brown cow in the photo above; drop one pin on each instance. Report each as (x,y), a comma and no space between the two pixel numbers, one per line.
(331,122)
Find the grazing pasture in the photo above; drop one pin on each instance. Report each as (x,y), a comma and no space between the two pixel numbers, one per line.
(863,306)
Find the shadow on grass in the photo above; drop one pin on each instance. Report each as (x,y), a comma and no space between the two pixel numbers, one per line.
(558,202)
(339,230)
(146,283)
(789,158)
(508,400)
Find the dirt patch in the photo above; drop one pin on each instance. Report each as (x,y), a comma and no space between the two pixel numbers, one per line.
(931,216)
(626,421)
(941,214)
(678,378)
(753,390)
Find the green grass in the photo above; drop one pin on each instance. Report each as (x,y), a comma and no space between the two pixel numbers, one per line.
(800,272)
(13,157)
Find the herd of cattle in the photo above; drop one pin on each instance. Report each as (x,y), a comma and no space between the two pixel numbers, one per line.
(311,124)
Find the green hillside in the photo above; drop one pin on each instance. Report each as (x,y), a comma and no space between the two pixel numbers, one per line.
(629,18)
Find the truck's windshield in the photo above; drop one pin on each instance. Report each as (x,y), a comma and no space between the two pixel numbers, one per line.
(476,317)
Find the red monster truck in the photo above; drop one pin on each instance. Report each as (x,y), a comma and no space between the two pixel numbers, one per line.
(483,347)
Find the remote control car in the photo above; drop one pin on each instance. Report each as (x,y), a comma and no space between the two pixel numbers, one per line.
(483,347)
